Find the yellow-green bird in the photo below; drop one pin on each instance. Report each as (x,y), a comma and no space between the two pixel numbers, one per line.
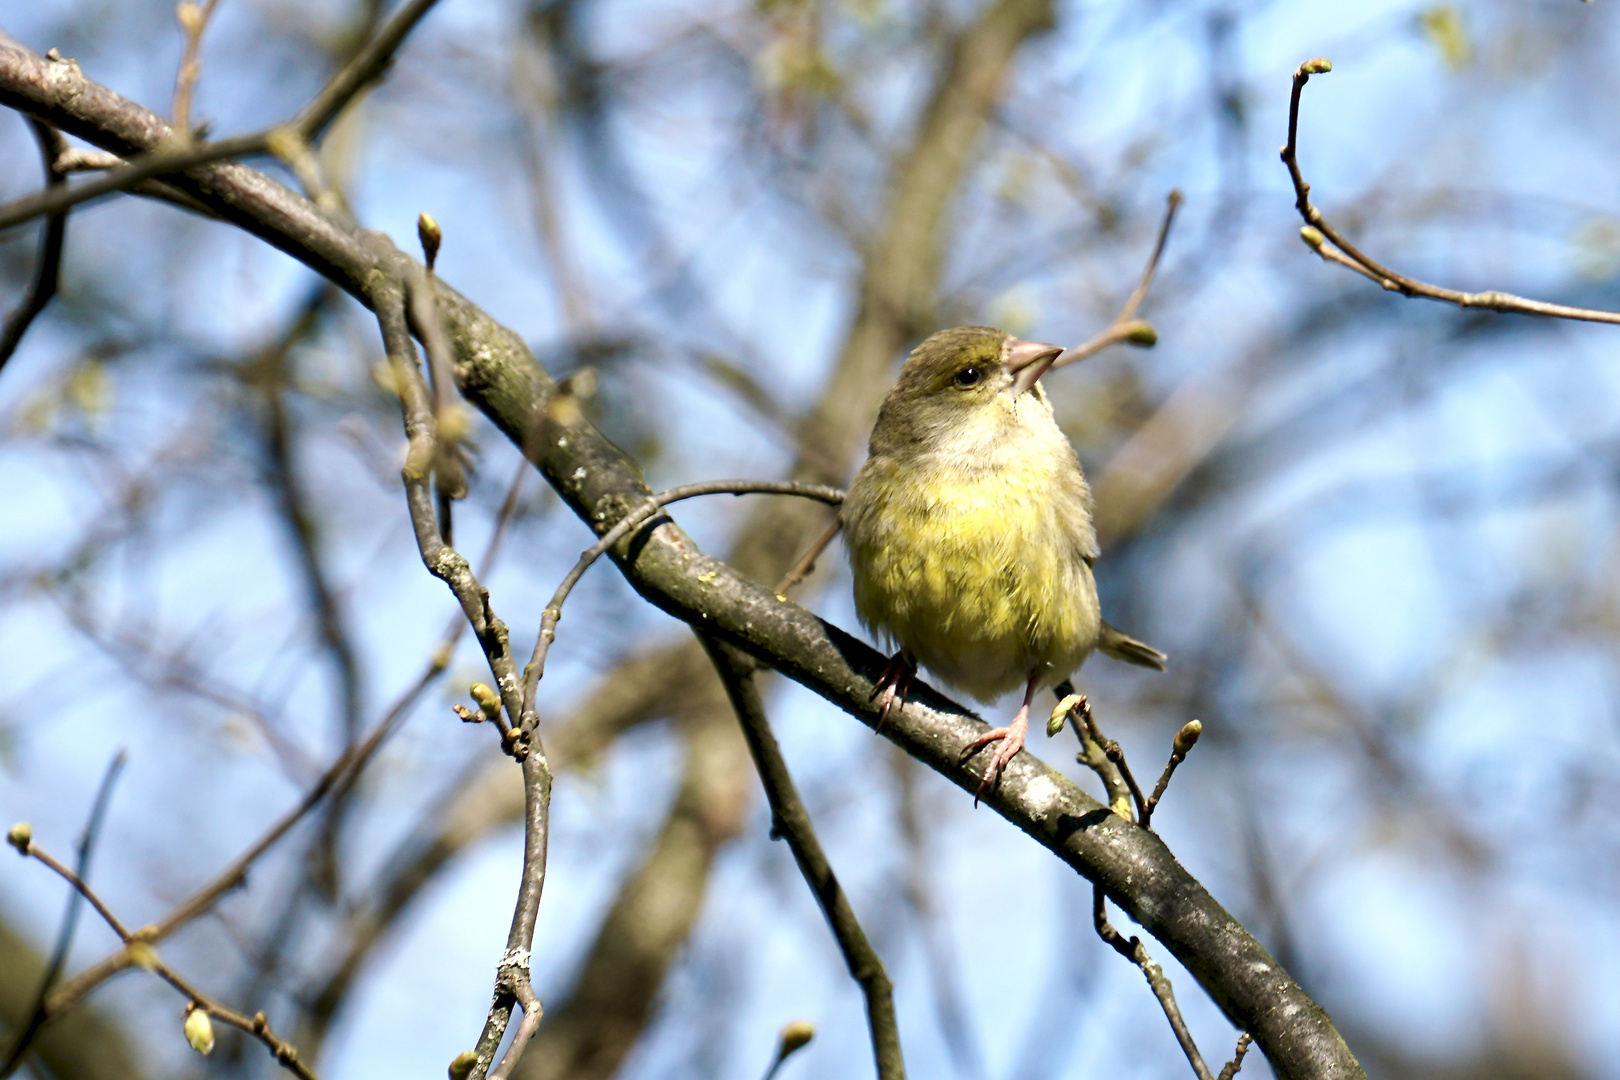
(969,531)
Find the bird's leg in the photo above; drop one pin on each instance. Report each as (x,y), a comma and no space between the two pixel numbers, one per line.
(1011,738)
(894,684)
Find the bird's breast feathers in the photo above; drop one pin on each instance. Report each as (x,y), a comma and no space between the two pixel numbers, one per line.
(982,573)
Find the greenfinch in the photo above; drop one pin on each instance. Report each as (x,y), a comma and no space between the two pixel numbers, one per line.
(969,532)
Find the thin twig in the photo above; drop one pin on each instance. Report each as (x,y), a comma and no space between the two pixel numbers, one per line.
(338,777)
(1126,326)
(48,274)
(1133,950)
(807,562)
(366,67)
(1115,791)
(1184,741)
(636,518)
(530,1023)
(139,948)
(1230,1069)
(522,738)
(449,473)
(922,892)
(193,20)
(1086,726)
(154,163)
(1318,233)
(790,821)
(305,128)
(64,939)
(442,560)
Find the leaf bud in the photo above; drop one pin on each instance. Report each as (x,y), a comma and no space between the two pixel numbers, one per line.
(1140,333)
(199,1029)
(795,1036)
(487,698)
(1187,737)
(462,1066)
(427,231)
(1060,713)
(455,421)
(1313,237)
(1320,66)
(20,836)
(142,954)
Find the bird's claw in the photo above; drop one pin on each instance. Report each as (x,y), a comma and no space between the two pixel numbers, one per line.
(893,684)
(1011,740)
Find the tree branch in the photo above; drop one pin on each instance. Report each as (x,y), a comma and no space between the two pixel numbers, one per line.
(342,773)
(1126,327)
(178,153)
(553,611)
(193,21)
(791,821)
(522,739)
(64,939)
(1133,951)
(1318,234)
(48,274)
(140,952)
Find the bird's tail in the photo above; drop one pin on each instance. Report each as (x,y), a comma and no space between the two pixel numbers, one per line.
(1121,646)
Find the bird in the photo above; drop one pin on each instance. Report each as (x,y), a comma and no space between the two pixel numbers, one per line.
(969,533)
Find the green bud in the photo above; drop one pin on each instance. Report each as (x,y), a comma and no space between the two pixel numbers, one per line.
(1320,66)
(795,1036)
(1141,334)
(142,955)
(462,1066)
(20,836)
(199,1029)
(1060,713)
(427,231)
(1313,237)
(487,698)
(1187,737)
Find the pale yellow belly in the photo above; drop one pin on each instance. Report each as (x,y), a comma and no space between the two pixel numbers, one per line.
(982,580)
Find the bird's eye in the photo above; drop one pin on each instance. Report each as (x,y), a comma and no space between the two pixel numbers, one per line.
(969,376)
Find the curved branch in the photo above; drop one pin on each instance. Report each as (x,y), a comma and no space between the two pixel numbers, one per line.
(1318,234)
(632,521)
(47,276)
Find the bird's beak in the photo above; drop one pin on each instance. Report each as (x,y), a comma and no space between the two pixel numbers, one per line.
(1028,361)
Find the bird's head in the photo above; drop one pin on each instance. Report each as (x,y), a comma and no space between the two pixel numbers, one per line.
(967,387)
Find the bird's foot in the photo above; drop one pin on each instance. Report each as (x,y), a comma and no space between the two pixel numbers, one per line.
(894,684)
(1011,740)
